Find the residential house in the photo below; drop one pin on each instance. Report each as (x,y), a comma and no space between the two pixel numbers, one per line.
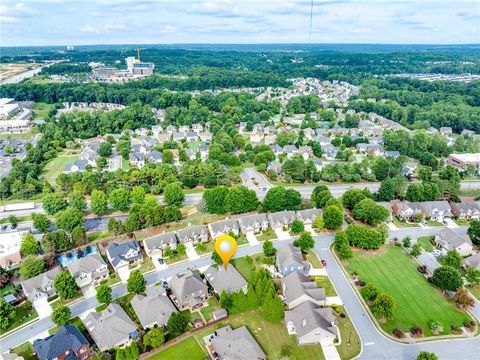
(330,152)
(469,133)
(171,129)
(256,137)
(270,139)
(179,136)
(445,131)
(318,164)
(309,133)
(434,210)
(242,127)
(448,239)
(223,227)
(155,298)
(308,216)
(466,210)
(463,160)
(88,270)
(111,327)
(40,287)
(409,168)
(298,288)
(183,128)
(472,261)
(229,280)
(155,157)
(68,343)
(198,128)
(188,290)
(137,159)
(124,254)
(255,223)
(281,219)
(157,130)
(10,243)
(77,166)
(392,154)
(290,151)
(155,245)
(312,324)
(275,166)
(205,136)
(289,259)
(238,344)
(194,234)
(277,150)
(306,152)
(203,150)
(258,128)
(269,130)
(191,136)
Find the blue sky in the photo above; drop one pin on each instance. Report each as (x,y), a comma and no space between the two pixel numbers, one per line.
(65,22)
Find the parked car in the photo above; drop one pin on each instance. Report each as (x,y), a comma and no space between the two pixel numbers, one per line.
(3,227)
(165,284)
(161,261)
(14,226)
(324,263)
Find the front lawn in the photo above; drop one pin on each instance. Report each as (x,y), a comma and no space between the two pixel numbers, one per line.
(425,243)
(475,290)
(313,259)
(186,349)
(418,303)
(175,258)
(324,282)
(242,240)
(433,223)
(460,222)
(403,224)
(268,234)
(23,314)
(351,345)
(205,248)
(25,350)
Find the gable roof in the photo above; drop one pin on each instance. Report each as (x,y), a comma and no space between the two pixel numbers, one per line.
(86,264)
(296,285)
(308,214)
(248,221)
(224,226)
(282,217)
(117,252)
(289,254)
(109,327)
(39,282)
(156,298)
(192,231)
(236,344)
(307,317)
(473,261)
(156,241)
(229,280)
(68,337)
(453,239)
(187,283)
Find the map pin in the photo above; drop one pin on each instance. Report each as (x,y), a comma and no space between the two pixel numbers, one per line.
(225,247)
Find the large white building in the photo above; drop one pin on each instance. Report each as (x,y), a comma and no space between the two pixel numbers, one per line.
(13,119)
(8,108)
(10,243)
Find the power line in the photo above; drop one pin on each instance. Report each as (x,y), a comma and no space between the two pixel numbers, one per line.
(311,18)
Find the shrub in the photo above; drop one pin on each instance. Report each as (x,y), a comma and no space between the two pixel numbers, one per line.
(435,327)
(416,331)
(297,226)
(455,330)
(422,269)
(398,333)
(370,292)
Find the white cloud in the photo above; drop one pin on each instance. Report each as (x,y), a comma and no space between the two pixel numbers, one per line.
(8,19)
(87,28)
(169,29)
(116,27)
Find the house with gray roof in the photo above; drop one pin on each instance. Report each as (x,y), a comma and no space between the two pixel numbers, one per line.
(308,216)
(435,210)
(78,166)
(155,157)
(67,343)
(298,288)
(472,262)
(188,290)
(290,151)
(274,166)
(111,327)
(223,227)
(155,245)
(448,239)
(40,286)
(124,254)
(155,298)
(238,344)
(466,210)
(88,270)
(289,259)
(393,154)
(195,234)
(281,219)
(312,324)
(255,223)
(229,280)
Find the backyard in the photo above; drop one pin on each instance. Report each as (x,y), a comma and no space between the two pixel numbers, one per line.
(425,243)
(207,311)
(417,302)
(246,268)
(186,349)
(56,166)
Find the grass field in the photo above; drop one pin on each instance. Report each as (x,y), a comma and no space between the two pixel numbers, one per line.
(268,234)
(350,346)
(418,303)
(186,349)
(204,248)
(208,310)
(402,224)
(247,269)
(433,223)
(475,290)
(313,259)
(425,243)
(23,313)
(324,282)
(42,109)
(55,166)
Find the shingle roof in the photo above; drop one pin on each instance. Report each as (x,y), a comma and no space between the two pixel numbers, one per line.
(68,337)
(117,252)
(156,241)
(297,285)
(309,214)
(86,264)
(157,299)
(289,254)
(282,217)
(453,239)
(186,284)
(307,317)
(248,221)
(229,280)
(236,344)
(224,226)
(191,231)
(473,261)
(37,283)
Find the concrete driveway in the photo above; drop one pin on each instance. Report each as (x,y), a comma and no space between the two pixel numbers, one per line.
(252,240)
(451,223)
(329,350)
(282,235)
(191,253)
(88,291)
(124,273)
(42,307)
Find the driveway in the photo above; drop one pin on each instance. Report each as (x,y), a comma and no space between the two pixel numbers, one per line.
(310,229)
(252,240)
(158,266)
(428,259)
(88,291)
(330,351)
(282,235)
(191,253)
(42,307)
(451,223)
(124,273)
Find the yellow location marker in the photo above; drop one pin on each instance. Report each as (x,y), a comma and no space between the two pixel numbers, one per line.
(225,247)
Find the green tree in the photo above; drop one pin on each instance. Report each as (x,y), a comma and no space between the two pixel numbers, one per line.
(352,197)
(297,226)
(371,213)
(137,195)
(105,149)
(365,238)
(305,242)
(53,203)
(154,338)
(77,200)
(407,242)
(31,267)
(240,199)
(332,217)
(453,258)
(447,278)
(78,235)
(384,307)
(177,324)
(104,294)
(12,219)
(216,259)
(316,192)
(119,199)
(370,292)
(173,194)
(215,200)
(416,250)
(342,245)
(268,249)
(56,241)
(136,282)
(61,315)
(181,249)
(167,157)
(98,202)
(41,222)
(474,231)
(7,314)
(473,276)
(69,219)
(272,309)
(29,245)
(278,199)
(425,355)
(65,285)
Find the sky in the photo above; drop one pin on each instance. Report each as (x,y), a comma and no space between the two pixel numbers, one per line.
(72,22)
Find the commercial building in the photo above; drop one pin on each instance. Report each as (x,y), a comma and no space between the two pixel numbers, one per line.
(464,160)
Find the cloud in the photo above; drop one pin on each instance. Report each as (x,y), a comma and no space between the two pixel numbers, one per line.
(17,10)
(169,29)
(116,27)
(87,28)
(8,19)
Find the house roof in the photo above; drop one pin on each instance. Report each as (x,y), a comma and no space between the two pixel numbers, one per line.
(248,221)
(307,317)
(86,264)
(119,251)
(39,282)
(192,231)
(109,327)
(308,214)
(454,239)
(156,241)
(224,226)
(185,284)
(229,280)
(156,298)
(283,217)
(289,254)
(236,344)
(68,337)
(473,261)
(296,285)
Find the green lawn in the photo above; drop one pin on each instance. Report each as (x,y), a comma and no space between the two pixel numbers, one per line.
(242,240)
(212,306)
(402,224)
(6,290)
(25,350)
(56,166)
(205,248)
(186,349)
(268,234)
(433,223)
(175,258)
(418,303)
(271,336)
(125,165)
(475,290)
(41,109)
(112,280)
(23,314)
(351,345)
(247,269)
(98,235)
(324,282)
(313,259)
(462,222)
(425,243)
